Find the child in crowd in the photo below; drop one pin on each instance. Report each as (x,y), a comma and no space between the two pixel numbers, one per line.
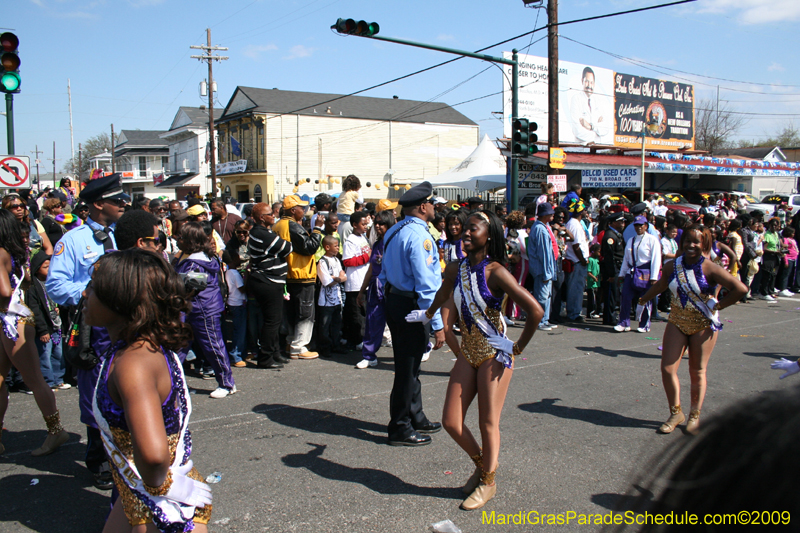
(593,282)
(351,195)
(789,263)
(237,311)
(48,324)
(331,277)
(669,247)
(355,258)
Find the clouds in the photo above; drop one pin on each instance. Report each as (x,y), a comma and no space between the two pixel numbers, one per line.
(754,11)
(254,51)
(299,51)
(775,66)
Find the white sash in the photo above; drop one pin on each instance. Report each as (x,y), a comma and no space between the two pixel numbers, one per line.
(168,515)
(691,288)
(470,293)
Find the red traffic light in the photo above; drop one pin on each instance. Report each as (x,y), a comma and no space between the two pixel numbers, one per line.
(9,42)
(10,62)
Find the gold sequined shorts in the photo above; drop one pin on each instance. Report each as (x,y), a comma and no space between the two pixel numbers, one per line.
(687,319)
(474,346)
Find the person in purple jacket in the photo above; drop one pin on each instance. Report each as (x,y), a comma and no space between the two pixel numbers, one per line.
(376,317)
(205,318)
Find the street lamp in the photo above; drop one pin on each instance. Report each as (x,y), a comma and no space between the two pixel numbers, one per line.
(651,127)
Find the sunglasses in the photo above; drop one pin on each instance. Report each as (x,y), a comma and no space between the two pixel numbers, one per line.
(15,206)
(242,232)
(117,202)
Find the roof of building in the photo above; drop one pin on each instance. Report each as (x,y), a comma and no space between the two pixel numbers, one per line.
(191,116)
(140,138)
(758,152)
(251,99)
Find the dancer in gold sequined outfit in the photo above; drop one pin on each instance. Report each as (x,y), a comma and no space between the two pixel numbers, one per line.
(17,333)
(472,291)
(693,320)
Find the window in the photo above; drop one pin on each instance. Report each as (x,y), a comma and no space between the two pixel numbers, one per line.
(164,162)
(142,166)
(795,200)
(257,193)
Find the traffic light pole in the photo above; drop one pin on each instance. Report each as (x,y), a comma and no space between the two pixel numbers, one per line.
(10,122)
(511,190)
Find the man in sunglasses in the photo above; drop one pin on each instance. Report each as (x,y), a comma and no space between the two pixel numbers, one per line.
(70,272)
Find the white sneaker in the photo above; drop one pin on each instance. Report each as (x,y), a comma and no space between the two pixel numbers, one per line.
(426,356)
(545,327)
(643,330)
(508,321)
(359,346)
(364,363)
(766,298)
(786,293)
(552,326)
(221,392)
(620,328)
(387,343)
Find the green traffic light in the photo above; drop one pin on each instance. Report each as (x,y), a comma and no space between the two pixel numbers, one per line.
(10,82)
(360,28)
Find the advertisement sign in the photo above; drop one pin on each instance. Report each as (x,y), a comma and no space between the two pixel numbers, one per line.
(232,167)
(664,108)
(557,158)
(559,180)
(609,178)
(598,106)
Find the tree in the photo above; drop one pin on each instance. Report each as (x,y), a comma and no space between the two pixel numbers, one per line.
(715,125)
(91,147)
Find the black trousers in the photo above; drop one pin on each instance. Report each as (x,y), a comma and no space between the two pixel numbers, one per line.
(270,299)
(611,291)
(95,452)
(592,301)
(769,269)
(353,319)
(409,341)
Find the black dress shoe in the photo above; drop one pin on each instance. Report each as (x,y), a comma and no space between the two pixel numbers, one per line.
(269,364)
(429,428)
(103,480)
(415,439)
(280,358)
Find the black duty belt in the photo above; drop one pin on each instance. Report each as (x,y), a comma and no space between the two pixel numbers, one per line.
(407,294)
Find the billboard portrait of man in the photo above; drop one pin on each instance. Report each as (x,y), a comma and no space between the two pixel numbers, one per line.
(590,113)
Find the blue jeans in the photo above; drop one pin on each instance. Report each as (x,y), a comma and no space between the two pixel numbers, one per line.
(51,361)
(238,315)
(542,292)
(576,283)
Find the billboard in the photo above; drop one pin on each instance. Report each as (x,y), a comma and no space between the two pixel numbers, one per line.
(598,106)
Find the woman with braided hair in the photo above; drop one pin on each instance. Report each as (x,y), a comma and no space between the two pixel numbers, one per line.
(472,291)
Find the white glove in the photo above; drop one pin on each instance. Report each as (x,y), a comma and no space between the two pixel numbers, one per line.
(712,303)
(418,316)
(639,311)
(791,367)
(187,490)
(501,343)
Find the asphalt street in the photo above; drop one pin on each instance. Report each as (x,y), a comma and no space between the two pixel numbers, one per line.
(304,449)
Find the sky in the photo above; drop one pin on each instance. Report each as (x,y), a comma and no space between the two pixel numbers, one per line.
(128,61)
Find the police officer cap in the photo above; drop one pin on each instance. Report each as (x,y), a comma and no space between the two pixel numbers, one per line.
(638,208)
(613,217)
(416,195)
(474,200)
(105,188)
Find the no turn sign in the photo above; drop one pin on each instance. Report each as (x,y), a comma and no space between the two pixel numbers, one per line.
(15,172)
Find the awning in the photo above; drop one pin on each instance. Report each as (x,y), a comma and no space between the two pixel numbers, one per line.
(176,180)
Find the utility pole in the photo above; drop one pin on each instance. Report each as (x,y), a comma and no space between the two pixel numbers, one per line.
(36,153)
(552,79)
(209,58)
(71,137)
(113,157)
(54,166)
(80,165)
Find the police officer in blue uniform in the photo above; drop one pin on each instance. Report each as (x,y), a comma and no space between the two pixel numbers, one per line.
(70,272)
(411,276)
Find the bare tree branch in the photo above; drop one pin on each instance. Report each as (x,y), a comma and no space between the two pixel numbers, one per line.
(714,126)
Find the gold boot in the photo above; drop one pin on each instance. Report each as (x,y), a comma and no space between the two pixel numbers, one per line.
(676,417)
(693,424)
(475,478)
(56,436)
(484,492)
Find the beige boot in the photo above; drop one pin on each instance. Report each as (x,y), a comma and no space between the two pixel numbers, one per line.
(676,417)
(475,478)
(56,436)
(484,492)
(693,424)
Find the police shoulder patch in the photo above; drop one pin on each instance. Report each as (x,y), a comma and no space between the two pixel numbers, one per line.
(59,249)
(428,245)
(610,241)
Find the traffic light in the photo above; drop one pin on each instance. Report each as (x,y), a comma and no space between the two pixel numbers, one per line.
(356,27)
(523,138)
(9,78)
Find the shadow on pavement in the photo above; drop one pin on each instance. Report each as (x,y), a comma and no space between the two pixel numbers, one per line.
(373,479)
(622,502)
(320,421)
(770,355)
(593,416)
(615,353)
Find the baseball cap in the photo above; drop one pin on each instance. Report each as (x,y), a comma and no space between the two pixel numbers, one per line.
(385,204)
(292,201)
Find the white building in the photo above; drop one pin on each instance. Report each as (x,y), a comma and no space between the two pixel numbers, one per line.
(188,172)
(142,157)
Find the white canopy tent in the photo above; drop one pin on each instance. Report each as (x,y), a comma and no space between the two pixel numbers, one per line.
(483,170)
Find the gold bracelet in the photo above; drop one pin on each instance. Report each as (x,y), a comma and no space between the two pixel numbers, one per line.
(429,314)
(162,489)
(516,350)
